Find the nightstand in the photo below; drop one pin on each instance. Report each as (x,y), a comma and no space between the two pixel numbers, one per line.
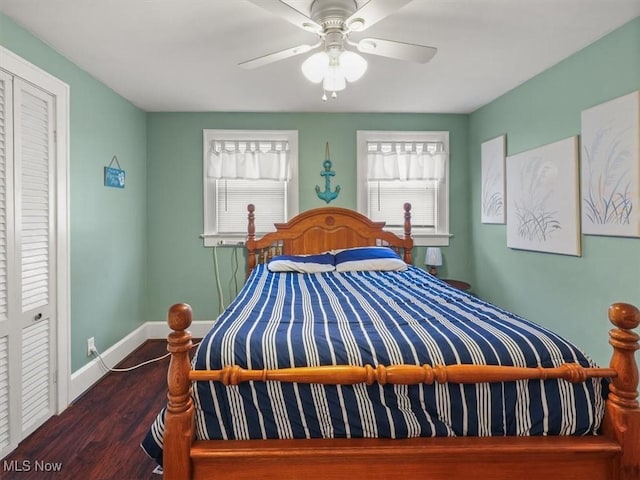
(459,284)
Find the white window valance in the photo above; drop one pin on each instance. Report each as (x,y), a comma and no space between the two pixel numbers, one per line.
(251,160)
(406,161)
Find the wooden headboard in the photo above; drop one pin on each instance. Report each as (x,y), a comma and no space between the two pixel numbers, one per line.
(323,229)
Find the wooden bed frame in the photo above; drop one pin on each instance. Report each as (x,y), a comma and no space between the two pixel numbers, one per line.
(614,454)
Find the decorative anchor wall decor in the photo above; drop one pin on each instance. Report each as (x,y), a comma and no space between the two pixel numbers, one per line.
(327,195)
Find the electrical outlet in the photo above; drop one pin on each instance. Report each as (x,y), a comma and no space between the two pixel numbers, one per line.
(91,346)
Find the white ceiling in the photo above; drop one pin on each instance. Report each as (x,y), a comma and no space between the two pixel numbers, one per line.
(182,55)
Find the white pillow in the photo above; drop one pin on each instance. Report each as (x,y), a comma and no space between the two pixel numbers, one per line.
(321,262)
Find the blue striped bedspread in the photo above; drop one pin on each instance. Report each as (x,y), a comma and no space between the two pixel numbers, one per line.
(282,320)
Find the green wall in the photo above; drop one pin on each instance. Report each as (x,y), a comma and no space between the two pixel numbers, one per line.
(182,270)
(568,294)
(107,226)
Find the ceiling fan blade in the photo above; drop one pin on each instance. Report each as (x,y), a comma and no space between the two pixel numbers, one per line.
(399,50)
(372,12)
(276,56)
(289,13)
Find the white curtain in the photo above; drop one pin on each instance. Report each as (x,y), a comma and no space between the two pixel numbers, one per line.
(406,161)
(252,160)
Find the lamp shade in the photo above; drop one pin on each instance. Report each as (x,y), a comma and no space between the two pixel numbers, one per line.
(334,79)
(433,257)
(353,65)
(315,67)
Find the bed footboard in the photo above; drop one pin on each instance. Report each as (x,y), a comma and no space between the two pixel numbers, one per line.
(615,454)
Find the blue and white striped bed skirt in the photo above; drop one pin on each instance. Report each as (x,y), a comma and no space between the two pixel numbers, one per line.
(282,320)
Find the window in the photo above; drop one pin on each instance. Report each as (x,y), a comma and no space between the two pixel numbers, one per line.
(398,167)
(248,166)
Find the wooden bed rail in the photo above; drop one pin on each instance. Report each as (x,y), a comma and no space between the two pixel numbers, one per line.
(400,374)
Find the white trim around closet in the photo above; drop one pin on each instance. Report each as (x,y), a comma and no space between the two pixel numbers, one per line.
(22,68)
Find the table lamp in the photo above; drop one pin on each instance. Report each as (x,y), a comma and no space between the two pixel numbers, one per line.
(433,259)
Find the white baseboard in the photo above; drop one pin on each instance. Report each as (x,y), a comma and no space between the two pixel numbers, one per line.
(83,378)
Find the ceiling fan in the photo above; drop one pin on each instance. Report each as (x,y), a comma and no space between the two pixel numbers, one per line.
(333,21)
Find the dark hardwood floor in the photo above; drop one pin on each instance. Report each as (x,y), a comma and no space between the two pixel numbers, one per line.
(98,437)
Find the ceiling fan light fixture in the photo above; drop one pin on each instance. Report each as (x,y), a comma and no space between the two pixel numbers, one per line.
(333,21)
(334,70)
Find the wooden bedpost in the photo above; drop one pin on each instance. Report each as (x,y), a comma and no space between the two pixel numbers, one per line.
(251,238)
(407,232)
(622,416)
(178,433)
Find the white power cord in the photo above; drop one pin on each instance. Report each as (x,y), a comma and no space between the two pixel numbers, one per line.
(234,276)
(217,272)
(128,369)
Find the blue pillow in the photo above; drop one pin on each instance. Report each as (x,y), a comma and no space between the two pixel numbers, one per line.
(369,258)
(322,262)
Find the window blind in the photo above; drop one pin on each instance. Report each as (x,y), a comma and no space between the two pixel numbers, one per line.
(387,197)
(233,195)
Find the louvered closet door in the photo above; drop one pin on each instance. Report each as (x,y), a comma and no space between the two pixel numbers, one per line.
(34,183)
(6,252)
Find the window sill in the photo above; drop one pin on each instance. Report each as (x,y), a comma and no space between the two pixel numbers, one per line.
(431,239)
(426,239)
(214,240)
